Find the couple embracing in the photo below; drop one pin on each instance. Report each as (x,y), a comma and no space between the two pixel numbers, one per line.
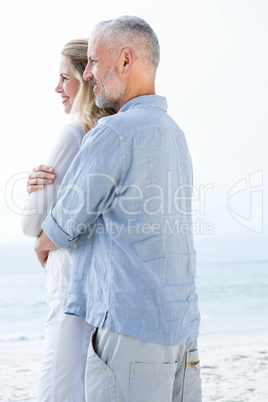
(124,313)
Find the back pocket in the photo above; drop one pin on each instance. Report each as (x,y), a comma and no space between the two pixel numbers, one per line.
(152,382)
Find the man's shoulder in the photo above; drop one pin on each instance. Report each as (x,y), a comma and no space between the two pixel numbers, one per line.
(137,117)
(116,124)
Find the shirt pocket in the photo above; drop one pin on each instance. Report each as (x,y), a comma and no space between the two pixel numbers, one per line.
(152,382)
(192,381)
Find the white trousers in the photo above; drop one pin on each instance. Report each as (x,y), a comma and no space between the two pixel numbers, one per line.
(124,369)
(62,370)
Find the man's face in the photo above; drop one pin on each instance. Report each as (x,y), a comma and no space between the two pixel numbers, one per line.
(102,72)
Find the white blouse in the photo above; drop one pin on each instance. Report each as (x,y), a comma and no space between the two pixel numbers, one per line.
(38,204)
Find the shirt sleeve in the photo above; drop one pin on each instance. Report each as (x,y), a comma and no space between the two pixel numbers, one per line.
(60,158)
(89,187)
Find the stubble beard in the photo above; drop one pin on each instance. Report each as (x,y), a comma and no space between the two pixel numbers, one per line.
(112,91)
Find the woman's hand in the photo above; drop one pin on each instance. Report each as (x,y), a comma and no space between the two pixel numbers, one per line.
(39,178)
(42,246)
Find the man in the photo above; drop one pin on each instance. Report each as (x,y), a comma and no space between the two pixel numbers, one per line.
(126,200)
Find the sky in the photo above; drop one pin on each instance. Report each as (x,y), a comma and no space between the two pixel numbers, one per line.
(213,72)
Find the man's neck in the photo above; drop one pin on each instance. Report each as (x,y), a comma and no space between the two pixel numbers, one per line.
(134,94)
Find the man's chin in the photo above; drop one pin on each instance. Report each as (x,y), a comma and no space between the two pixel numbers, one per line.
(104,103)
(98,103)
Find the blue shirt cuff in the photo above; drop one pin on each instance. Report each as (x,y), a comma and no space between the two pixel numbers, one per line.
(55,232)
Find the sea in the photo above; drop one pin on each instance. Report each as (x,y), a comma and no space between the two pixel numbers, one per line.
(233,297)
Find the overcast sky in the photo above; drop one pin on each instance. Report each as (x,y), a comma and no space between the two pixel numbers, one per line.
(213,71)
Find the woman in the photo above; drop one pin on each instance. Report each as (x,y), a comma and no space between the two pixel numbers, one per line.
(66,336)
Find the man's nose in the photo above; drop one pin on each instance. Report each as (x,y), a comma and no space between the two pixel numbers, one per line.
(87,75)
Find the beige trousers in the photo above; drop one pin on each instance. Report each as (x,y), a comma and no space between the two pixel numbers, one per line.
(124,369)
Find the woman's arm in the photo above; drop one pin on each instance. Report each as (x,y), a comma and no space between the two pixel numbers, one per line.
(39,202)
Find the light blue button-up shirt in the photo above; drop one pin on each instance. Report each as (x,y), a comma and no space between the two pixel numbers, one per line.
(126,199)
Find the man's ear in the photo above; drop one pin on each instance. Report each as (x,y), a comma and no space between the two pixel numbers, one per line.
(127,60)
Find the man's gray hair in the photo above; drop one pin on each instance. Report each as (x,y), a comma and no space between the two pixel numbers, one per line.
(133,32)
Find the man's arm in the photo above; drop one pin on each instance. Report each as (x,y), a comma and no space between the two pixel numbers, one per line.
(88,188)
(43,245)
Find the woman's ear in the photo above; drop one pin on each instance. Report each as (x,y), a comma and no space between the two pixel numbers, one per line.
(127,56)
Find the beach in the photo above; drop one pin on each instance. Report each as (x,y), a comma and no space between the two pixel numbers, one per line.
(233,341)
(19,366)
(234,367)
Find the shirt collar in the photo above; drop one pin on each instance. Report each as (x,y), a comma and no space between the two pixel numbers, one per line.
(148,100)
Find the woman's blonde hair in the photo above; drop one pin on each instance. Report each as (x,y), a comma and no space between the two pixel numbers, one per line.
(84,105)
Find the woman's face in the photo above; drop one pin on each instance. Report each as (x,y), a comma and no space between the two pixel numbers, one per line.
(68,85)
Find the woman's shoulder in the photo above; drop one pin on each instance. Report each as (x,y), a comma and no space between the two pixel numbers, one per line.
(73,130)
(75,127)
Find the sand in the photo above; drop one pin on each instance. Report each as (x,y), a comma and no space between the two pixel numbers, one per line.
(19,367)
(234,368)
